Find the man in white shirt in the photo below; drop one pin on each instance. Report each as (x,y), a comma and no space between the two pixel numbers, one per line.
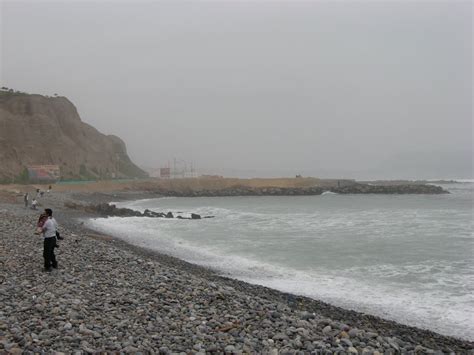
(49,233)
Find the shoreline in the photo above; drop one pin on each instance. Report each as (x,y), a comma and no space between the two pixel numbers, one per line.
(322,326)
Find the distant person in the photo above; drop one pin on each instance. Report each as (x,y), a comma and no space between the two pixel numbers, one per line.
(37,193)
(34,203)
(49,189)
(41,193)
(49,230)
(25,199)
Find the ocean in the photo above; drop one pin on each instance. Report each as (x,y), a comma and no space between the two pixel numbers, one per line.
(408,258)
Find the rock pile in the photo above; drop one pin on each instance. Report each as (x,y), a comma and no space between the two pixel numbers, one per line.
(303,191)
(390,189)
(105,209)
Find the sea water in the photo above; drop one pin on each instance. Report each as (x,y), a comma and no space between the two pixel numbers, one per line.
(407,258)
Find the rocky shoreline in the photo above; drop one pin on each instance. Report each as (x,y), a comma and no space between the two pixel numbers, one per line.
(108,296)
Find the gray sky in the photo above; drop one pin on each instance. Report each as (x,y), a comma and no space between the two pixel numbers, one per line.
(356,89)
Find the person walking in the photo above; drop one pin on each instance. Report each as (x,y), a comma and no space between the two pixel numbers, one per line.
(49,230)
(25,199)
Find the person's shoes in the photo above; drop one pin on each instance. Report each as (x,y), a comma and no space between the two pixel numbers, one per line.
(55,266)
(47,269)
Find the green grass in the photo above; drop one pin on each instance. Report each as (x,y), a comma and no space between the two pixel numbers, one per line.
(16,93)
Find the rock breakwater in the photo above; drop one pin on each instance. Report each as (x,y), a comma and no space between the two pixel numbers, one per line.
(302,191)
(106,209)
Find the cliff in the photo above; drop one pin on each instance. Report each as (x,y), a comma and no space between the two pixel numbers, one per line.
(38,130)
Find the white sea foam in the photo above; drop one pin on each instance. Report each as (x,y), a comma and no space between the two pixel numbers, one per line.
(429,310)
(329,193)
(406,258)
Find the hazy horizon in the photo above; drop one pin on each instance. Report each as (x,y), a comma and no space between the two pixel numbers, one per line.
(259,88)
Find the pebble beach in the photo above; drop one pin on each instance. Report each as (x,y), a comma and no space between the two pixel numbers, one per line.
(108,296)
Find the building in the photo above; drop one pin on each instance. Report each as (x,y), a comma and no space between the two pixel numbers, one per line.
(165,173)
(43,173)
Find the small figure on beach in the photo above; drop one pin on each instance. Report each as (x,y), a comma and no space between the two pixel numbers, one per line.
(49,189)
(49,230)
(33,204)
(25,199)
(37,193)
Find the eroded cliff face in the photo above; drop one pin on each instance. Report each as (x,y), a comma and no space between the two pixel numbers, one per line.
(35,129)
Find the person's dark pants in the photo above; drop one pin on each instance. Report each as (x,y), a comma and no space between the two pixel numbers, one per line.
(48,253)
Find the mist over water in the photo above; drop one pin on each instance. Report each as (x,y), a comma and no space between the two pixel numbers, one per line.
(358,89)
(404,257)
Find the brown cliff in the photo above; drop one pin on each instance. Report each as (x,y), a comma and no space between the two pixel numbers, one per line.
(36,129)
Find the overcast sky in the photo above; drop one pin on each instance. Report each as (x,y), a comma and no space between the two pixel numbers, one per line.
(259,88)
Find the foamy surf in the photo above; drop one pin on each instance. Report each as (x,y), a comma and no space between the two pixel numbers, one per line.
(404,258)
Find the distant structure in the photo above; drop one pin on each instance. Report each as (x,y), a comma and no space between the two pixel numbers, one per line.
(179,170)
(165,173)
(43,173)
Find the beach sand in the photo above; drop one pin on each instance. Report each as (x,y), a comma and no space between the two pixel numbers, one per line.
(108,296)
